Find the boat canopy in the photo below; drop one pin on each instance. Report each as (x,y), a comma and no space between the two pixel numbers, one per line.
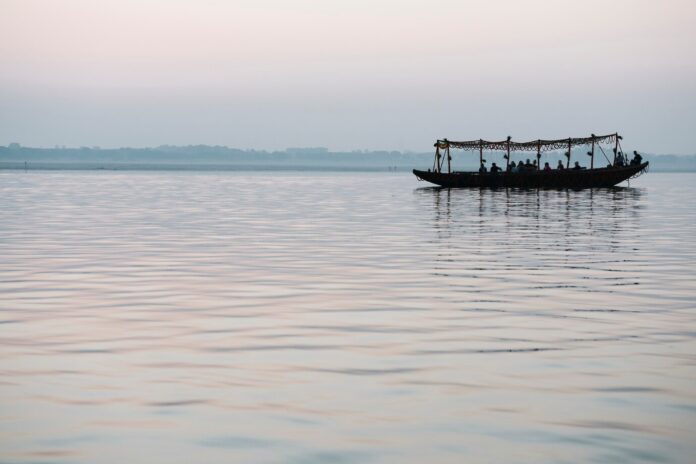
(538,146)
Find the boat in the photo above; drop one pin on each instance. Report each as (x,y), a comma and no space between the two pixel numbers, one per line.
(617,170)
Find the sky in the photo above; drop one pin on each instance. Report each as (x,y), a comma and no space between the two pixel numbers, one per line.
(346,74)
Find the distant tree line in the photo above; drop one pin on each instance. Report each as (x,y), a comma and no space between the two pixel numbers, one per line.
(196,156)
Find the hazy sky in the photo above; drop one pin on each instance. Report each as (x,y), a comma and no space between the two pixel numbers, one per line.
(353,74)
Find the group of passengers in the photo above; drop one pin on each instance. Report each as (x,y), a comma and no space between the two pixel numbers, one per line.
(532,165)
(494,168)
(560,167)
(525,167)
(622,160)
(512,167)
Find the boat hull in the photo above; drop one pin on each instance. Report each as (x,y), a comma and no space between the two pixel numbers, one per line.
(568,178)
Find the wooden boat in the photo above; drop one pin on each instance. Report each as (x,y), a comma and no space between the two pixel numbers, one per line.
(614,173)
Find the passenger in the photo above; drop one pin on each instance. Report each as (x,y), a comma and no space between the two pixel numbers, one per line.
(520,167)
(560,166)
(528,164)
(577,166)
(534,163)
(620,160)
(482,169)
(512,167)
(495,169)
(547,167)
(637,159)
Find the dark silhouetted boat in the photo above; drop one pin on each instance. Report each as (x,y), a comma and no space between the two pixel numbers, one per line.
(616,171)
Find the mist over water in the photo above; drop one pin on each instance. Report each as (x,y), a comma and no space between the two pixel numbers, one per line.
(343,317)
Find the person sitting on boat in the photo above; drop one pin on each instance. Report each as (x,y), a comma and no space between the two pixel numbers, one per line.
(637,159)
(519,168)
(547,167)
(620,160)
(528,164)
(577,166)
(512,167)
(560,166)
(483,169)
(495,169)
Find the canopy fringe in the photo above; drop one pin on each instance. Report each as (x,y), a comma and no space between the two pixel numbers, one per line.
(538,146)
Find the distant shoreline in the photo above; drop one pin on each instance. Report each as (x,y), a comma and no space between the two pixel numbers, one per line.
(16,166)
(216,158)
(12,166)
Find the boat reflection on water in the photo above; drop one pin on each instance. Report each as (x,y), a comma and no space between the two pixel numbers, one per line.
(539,231)
(584,212)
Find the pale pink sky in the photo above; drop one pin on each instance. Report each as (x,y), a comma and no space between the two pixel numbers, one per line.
(345,74)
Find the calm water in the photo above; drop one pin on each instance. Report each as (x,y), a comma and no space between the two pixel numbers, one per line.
(343,318)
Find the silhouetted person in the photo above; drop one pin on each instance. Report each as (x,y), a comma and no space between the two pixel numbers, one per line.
(560,166)
(637,159)
(512,167)
(547,167)
(495,169)
(620,161)
(577,166)
(482,169)
(528,164)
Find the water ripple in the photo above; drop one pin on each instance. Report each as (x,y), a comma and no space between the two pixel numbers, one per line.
(340,317)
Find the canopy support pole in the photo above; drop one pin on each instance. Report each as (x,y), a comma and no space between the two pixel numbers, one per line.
(436,164)
(569,148)
(507,165)
(616,148)
(592,154)
(480,152)
(449,160)
(538,154)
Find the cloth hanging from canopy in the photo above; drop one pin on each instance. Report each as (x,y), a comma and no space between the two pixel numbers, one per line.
(533,145)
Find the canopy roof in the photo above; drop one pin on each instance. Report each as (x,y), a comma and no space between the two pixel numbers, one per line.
(534,145)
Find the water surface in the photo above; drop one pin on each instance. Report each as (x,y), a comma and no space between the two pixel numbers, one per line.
(164,317)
